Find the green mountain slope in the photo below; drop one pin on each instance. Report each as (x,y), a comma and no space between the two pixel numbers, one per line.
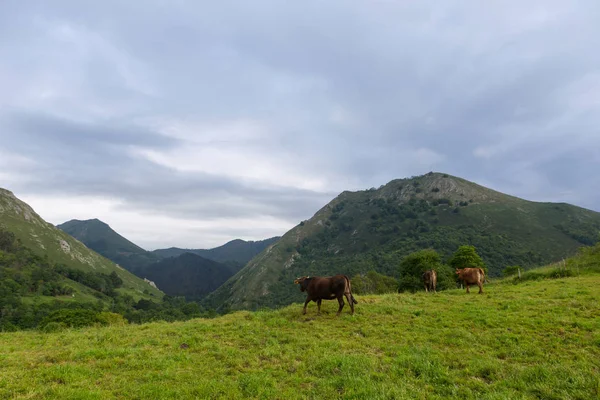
(234,252)
(374,229)
(48,241)
(188,275)
(100,237)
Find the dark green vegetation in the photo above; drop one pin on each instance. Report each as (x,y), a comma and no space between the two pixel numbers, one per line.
(37,293)
(375,229)
(188,275)
(45,240)
(101,238)
(537,339)
(235,253)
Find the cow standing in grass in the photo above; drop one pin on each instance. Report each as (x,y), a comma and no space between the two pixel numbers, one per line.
(326,288)
(430,280)
(471,276)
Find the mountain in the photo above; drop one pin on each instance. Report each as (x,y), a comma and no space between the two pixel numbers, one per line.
(100,237)
(56,246)
(237,251)
(188,275)
(177,272)
(374,229)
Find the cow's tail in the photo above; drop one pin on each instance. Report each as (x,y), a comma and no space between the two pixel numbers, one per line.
(350,289)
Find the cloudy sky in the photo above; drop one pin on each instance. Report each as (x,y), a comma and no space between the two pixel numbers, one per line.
(190,123)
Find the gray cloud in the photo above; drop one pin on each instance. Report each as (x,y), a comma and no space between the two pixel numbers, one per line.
(239,110)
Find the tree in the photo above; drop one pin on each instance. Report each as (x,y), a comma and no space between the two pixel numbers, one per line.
(466,257)
(413,266)
(7,240)
(116,281)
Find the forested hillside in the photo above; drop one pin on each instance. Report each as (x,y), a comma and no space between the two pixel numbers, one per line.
(188,275)
(45,240)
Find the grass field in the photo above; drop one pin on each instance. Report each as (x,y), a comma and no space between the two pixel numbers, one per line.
(535,340)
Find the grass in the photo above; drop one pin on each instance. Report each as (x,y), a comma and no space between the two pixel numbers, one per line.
(534,340)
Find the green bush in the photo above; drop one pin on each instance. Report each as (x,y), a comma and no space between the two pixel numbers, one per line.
(109,318)
(76,318)
(536,275)
(512,270)
(53,327)
(374,283)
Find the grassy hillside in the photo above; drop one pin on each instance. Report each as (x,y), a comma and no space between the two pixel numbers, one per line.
(60,248)
(235,252)
(537,339)
(374,229)
(100,237)
(188,275)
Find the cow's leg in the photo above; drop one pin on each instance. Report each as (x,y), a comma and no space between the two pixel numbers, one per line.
(341,301)
(426,288)
(305,304)
(480,287)
(319,305)
(467,287)
(349,297)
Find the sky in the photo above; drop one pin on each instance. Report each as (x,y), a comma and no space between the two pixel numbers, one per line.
(192,123)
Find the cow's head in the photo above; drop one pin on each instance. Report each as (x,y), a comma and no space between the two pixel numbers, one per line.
(303,282)
(459,271)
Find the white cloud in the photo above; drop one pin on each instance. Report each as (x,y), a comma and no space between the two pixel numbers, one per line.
(150,230)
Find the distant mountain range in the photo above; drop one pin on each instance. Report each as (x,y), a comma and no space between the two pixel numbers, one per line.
(374,229)
(192,273)
(236,251)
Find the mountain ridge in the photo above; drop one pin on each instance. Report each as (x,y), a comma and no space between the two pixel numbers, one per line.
(237,250)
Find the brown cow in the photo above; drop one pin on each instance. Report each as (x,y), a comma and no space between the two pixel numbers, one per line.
(471,276)
(326,288)
(430,280)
